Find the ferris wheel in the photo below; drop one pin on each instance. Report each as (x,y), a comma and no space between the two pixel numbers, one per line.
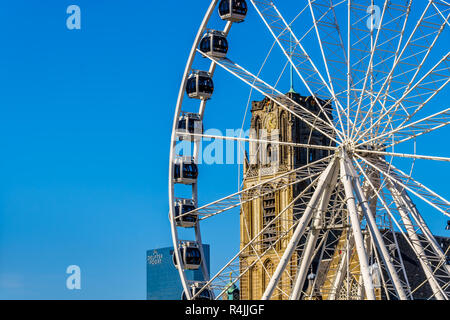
(344,208)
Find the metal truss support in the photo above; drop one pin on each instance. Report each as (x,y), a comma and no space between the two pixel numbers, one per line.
(376,234)
(342,269)
(424,228)
(317,224)
(347,181)
(372,187)
(415,242)
(299,231)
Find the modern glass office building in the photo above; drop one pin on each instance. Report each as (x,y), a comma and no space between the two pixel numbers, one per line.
(163,281)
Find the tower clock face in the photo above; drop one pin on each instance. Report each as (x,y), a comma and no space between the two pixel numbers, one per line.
(271,122)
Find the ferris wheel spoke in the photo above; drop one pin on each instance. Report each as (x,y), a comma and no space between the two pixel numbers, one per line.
(403,155)
(287,63)
(417,96)
(407,182)
(413,55)
(330,38)
(229,203)
(312,120)
(414,96)
(368,78)
(244,271)
(412,130)
(383,54)
(419,45)
(299,59)
(422,91)
(441,11)
(258,141)
(386,146)
(332,49)
(255,241)
(402,113)
(359,40)
(236,199)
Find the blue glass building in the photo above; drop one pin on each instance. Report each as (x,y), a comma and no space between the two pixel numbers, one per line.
(163,280)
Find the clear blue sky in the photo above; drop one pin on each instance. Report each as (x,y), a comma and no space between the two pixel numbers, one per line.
(85,129)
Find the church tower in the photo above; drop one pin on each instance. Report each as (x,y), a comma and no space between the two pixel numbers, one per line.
(266,162)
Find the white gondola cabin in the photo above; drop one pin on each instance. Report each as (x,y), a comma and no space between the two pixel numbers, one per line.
(190,256)
(185,171)
(183,218)
(189,123)
(233,10)
(214,43)
(200,85)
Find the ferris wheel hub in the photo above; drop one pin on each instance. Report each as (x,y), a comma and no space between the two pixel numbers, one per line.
(348,146)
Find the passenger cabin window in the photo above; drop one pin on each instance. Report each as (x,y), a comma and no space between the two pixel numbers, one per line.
(220,44)
(182,124)
(205,44)
(224,7)
(190,171)
(239,7)
(176,171)
(205,84)
(191,85)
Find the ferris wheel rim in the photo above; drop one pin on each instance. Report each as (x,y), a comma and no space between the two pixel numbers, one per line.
(172,218)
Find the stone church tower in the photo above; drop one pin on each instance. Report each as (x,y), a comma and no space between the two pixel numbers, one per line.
(266,161)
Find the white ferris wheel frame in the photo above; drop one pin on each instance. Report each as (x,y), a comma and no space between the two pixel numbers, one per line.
(346,166)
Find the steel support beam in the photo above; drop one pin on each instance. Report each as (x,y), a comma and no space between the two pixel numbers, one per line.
(376,234)
(300,229)
(346,179)
(308,254)
(415,242)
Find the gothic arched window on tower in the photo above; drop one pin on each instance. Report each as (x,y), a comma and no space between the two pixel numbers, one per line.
(251,275)
(268,214)
(284,137)
(269,155)
(268,271)
(247,219)
(258,128)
